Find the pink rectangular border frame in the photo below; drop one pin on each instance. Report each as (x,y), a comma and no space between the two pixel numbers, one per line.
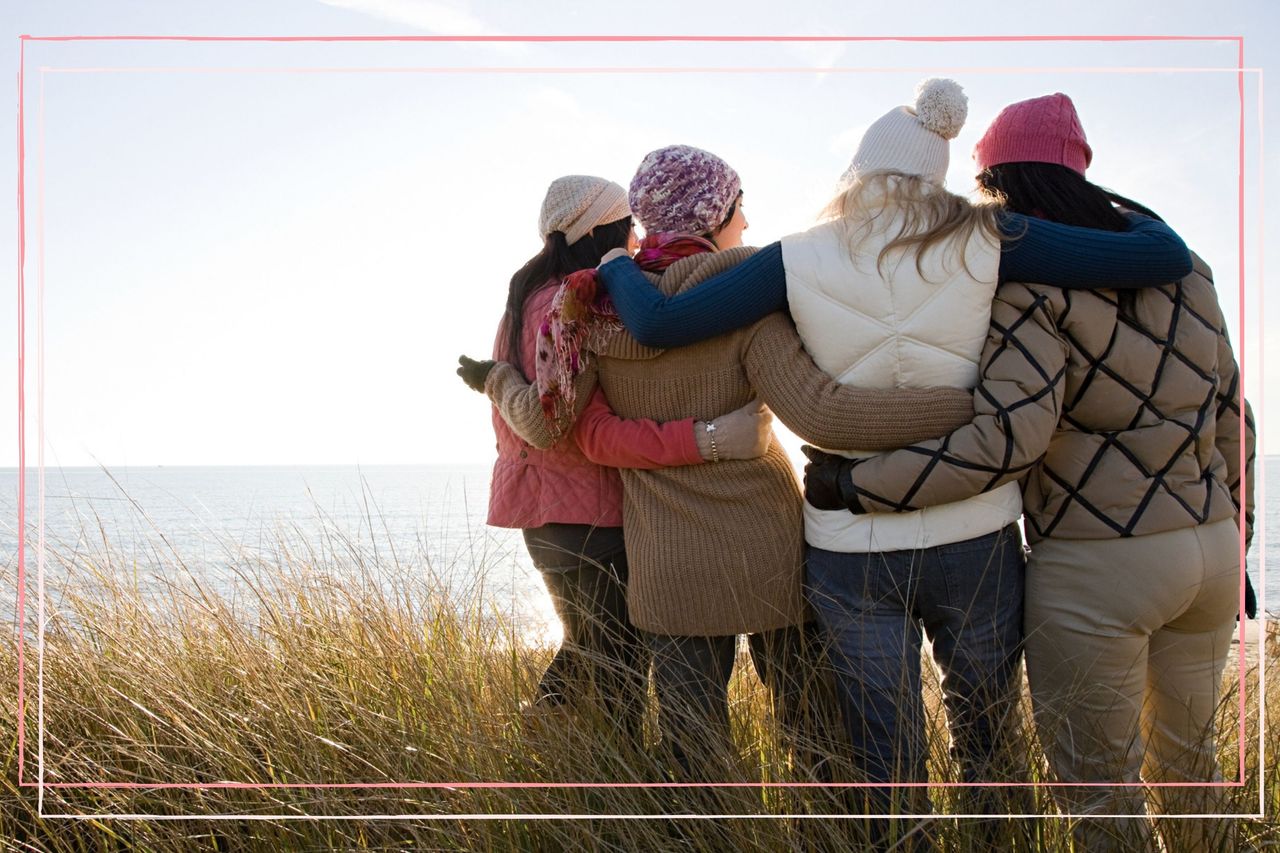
(23,39)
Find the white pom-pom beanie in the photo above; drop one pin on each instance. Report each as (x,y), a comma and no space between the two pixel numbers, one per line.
(915,139)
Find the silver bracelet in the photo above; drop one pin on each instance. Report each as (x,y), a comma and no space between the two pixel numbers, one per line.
(711,436)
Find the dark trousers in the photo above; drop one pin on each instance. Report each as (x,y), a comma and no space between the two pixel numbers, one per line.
(691,678)
(602,662)
(967,596)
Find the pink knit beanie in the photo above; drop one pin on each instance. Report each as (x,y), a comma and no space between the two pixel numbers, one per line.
(682,188)
(1041,130)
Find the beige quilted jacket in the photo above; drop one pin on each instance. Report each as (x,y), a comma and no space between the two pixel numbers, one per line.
(1118,422)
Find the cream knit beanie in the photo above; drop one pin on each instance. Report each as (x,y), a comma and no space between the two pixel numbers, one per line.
(914,140)
(575,204)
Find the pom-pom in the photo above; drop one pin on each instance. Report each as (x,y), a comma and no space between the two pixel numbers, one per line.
(942,106)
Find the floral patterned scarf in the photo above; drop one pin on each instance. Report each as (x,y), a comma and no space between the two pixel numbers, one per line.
(582,320)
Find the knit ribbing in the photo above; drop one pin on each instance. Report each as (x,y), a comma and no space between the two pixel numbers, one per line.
(718,549)
(898,142)
(1149,253)
(1039,130)
(575,204)
(682,188)
(757,287)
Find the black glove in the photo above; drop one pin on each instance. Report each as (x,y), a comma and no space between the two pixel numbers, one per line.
(1250,599)
(827,484)
(474,372)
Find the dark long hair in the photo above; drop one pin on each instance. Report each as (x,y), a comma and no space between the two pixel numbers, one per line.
(556,260)
(1058,194)
(1054,192)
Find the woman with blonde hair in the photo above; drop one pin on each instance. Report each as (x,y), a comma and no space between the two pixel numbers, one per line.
(1120,413)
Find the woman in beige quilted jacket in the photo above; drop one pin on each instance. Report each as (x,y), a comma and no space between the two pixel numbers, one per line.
(1121,413)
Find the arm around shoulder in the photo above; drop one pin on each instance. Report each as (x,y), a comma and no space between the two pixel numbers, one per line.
(517,402)
(843,417)
(1148,254)
(520,405)
(730,300)
(608,439)
(1018,403)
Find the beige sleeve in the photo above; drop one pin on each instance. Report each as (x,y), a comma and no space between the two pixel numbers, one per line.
(1018,403)
(518,402)
(1227,434)
(843,417)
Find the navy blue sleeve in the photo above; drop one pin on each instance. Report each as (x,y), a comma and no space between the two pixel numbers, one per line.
(735,298)
(1149,254)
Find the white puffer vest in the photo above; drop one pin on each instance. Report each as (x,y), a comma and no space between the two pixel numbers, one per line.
(901,331)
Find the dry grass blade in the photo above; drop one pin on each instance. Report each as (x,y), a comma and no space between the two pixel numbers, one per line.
(331,659)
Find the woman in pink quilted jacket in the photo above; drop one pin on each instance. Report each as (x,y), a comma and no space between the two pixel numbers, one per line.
(567,498)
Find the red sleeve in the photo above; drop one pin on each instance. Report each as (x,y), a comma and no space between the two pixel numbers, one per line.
(607,439)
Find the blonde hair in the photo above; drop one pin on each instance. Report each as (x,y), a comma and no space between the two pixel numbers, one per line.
(929,215)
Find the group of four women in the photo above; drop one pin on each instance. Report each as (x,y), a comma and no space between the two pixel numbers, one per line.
(1106,413)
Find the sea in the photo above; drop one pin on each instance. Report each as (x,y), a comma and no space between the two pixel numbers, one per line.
(167,526)
(224,528)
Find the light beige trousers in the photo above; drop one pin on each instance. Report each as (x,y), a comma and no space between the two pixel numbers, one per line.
(1125,642)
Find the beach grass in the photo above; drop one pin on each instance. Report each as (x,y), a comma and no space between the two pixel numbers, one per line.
(331,661)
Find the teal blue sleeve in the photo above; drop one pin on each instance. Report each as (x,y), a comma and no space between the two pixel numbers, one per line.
(735,298)
(1149,254)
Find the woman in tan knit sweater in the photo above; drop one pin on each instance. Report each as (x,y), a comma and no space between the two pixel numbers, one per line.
(715,550)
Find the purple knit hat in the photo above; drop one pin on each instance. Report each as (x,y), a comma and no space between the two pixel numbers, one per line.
(682,188)
(1041,130)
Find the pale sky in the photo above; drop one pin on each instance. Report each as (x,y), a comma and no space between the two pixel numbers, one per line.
(273,253)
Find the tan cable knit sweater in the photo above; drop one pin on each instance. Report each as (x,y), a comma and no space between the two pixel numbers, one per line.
(718,549)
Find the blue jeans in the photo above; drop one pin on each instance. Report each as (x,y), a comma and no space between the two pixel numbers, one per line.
(967,596)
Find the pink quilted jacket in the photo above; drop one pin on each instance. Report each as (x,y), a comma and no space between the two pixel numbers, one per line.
(532,487)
